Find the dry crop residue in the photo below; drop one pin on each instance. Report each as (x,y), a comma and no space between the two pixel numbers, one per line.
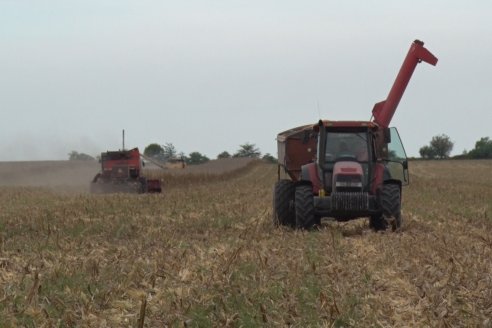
(206,254)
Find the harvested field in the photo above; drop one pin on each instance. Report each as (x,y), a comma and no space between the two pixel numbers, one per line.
(214,170)
(205,254)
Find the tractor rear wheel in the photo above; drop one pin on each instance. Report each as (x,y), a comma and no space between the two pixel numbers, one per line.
(391,207)
(283,203)
(304,201)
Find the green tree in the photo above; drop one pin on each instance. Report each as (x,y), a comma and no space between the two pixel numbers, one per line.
(76,156)
(153,150)
(269,158)
(224,154)
(427,152)
(483,149)
(248,150)
(439,147)
(197,158)
(169,150)
(442,145)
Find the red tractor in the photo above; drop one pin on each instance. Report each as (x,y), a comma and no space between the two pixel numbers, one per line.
(121,171)
(346,169)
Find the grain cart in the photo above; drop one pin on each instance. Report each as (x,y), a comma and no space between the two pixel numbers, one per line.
(346,169)
(121,171)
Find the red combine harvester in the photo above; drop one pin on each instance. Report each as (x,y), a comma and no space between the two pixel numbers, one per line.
(347,169)
(121,171)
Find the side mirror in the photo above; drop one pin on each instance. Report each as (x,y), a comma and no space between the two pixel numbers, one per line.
(405,164)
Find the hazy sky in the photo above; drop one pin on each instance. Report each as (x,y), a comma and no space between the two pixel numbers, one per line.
(211,75)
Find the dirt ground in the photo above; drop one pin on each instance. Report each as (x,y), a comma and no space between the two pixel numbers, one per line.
(205,254)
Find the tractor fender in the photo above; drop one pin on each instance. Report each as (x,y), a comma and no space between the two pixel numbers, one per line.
(383,176)
(387,179)
(395,182)
(309,175)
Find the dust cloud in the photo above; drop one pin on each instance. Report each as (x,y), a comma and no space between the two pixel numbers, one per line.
(56,175)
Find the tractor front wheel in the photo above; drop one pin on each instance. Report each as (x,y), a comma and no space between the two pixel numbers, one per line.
(283,203)
(391,207)
(304,203)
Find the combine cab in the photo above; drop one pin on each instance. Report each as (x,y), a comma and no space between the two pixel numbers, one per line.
(347,169)
(121,173)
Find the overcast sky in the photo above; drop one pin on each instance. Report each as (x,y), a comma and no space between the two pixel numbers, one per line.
(210,75)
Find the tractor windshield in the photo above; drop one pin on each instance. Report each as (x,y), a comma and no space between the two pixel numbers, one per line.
(346,146)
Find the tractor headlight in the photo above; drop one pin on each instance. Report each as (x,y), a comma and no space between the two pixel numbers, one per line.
(348,184)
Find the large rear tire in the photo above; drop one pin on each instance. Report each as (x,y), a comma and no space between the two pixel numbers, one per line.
(283,203)
(305,218)
(391,207)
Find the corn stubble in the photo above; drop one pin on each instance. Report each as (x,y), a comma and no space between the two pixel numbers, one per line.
(204,253)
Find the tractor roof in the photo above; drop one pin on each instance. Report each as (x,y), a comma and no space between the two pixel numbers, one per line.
(303,129)
(348,124)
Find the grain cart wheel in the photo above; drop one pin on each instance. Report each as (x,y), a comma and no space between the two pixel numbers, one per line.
(391,205)
(283,203)
(304,201)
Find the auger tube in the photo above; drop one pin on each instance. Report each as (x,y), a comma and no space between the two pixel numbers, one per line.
(384,110)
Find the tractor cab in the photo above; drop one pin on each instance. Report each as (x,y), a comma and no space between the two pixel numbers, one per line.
(350,157)
(344,158)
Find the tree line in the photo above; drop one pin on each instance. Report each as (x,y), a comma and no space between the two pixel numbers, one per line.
(440,147)
(168,151)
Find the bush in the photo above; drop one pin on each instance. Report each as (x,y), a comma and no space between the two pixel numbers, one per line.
(483,149)
(75,156)
(196,158)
